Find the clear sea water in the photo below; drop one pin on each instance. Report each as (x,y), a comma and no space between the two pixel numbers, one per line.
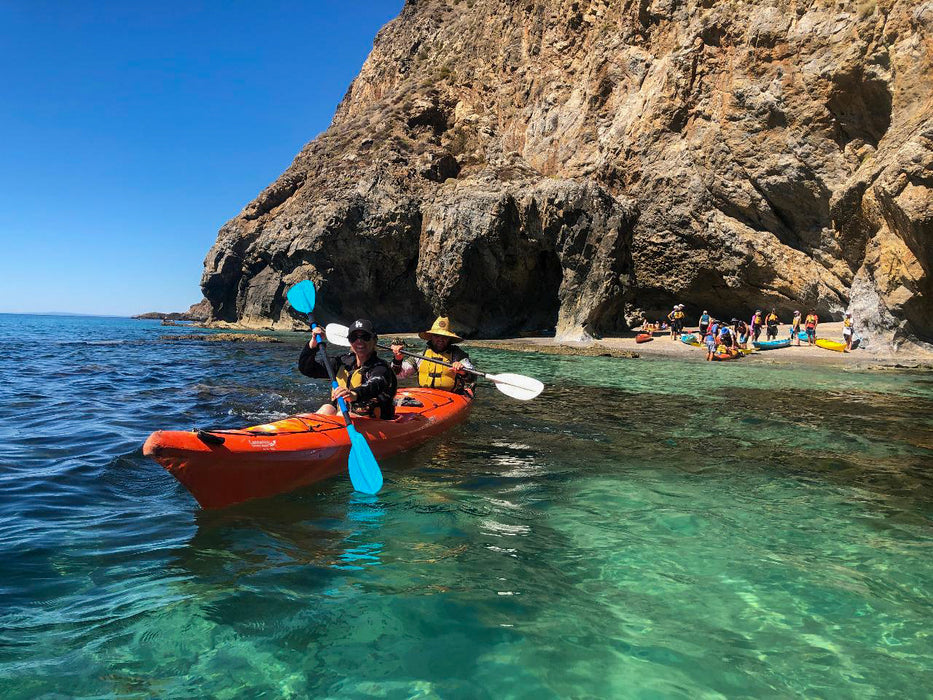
(645,529)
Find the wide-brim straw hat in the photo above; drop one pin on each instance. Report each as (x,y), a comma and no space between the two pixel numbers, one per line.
(441,327)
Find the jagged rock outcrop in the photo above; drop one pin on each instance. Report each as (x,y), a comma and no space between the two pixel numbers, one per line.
(538,164)
(199,312)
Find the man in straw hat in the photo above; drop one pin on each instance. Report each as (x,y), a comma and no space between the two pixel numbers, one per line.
(440,347)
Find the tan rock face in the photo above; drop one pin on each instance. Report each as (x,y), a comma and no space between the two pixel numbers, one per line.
(536,165)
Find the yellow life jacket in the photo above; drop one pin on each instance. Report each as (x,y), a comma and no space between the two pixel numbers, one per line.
(349,380)
(847,323)
(678,315)
(435,376)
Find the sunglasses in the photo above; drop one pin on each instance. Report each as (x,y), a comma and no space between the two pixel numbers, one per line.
(365,337)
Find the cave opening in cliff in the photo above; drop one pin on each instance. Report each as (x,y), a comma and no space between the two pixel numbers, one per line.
(860,107)
(543,310)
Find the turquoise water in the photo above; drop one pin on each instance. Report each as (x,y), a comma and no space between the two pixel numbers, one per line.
(645,529)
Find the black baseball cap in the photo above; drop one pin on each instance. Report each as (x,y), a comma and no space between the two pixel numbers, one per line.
(362,324)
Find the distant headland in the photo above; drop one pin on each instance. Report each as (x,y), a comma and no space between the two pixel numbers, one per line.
(196,312)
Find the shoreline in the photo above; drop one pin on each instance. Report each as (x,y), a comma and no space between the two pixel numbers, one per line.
(863,358)
(880,357)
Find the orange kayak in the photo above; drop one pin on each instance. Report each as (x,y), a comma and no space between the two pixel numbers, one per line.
(223,467)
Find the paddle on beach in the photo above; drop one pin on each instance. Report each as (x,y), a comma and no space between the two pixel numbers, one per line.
(515,385)
(365,474)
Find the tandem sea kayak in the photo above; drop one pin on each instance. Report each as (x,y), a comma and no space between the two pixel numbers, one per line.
(223,467)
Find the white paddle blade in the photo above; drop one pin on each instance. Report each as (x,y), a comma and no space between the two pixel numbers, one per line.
(337,334)
(517,386)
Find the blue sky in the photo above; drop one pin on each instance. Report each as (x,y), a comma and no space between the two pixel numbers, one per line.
(131,132)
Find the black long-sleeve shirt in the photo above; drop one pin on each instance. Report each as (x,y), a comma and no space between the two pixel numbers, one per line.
(374,383)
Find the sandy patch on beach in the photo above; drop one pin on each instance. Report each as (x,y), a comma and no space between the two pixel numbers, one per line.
(663,346)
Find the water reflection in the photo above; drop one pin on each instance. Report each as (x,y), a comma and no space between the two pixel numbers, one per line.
(366,511)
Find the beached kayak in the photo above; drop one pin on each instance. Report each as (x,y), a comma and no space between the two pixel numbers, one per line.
(691,339)
(724,356)
(830,345)
(643,337)
(771,344)
(223,467)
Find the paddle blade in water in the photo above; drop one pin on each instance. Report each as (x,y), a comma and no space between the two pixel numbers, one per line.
(517,386)
(365,474)
(337,334)
(301,296)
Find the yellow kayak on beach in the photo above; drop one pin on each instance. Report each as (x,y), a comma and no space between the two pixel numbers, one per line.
(831,345)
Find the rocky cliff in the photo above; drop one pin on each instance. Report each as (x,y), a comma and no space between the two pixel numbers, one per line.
(541,164)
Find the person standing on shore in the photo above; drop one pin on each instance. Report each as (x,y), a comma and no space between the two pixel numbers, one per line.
(677,320)
(795,328)
(710,339)
(704,323)
(756,324)
(848,330)
(810,323)
(772,322)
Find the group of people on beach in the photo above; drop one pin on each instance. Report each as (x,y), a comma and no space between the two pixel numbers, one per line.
(731,338)
(368,384)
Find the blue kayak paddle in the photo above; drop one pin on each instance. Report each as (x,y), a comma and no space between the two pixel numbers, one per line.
(365,474)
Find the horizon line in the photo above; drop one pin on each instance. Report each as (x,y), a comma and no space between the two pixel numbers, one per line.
(69,313)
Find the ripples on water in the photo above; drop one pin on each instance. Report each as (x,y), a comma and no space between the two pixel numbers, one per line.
(645,529)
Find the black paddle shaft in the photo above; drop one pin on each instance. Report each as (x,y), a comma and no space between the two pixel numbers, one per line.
(431,359)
